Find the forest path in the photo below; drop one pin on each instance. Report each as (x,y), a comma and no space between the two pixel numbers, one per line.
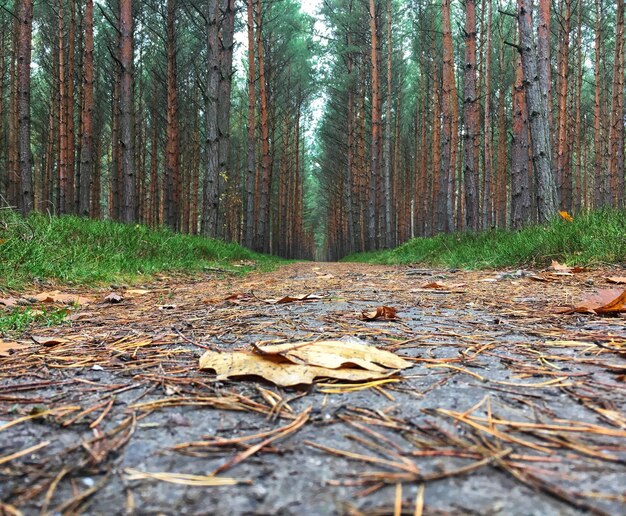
(509,409)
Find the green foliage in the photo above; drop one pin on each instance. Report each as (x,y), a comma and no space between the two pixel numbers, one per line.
(20,320)
(594,239)
(73,250)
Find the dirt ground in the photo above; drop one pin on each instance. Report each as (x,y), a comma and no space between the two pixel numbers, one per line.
(510,407)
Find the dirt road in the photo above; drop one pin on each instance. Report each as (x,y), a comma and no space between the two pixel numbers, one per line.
(510,408)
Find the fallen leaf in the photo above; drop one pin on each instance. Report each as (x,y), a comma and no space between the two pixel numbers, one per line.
(6,347)
(608,301)
(238,299)
(137,292)
(8,302)
(60,297)
(620,280)
(302,298)
(81,316)
(559,267)
(334,354)
(434,285)
(566,216)
(48,342)
(113,298)
(275,369)
(382,312)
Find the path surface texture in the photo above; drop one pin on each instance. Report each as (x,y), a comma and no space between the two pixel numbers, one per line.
(510,407)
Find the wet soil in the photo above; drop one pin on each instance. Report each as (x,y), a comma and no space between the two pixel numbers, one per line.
(510,408)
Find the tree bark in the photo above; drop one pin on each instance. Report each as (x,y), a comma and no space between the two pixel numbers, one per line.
(536,107)
(128,207)
(172,160)
(375,134)
(86,155)
(470,118)
(24,46)
(520,187)
(251,156)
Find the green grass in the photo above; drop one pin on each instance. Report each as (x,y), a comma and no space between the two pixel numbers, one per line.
(76,251)
(594,239)
(19,320)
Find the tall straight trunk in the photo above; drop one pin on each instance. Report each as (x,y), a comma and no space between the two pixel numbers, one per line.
(470,119)
(578,170)
(376,122)
(86,154)
(448,148)
(601,186)
(251,156)
(544,69)
(195,182)
(616,124)
(3,141)
(62,165)
(210,201)
(563,170)
(128,205)
(172,161)
(263,234)
(227,30)
(435,203)
(389,239)
(536,108)
(24,47)
(155,205)
(500,192)
(520,187)
(69,110)
(488,154)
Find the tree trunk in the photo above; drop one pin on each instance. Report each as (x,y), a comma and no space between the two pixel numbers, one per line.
(520,188)
(389,240)
(616,124)
(251,157)
(536,107)
(24,46)
(563,171)
(263,235)
(172,162)
(227,26)
(128,207)
(470,119)
(86,155)
(376,122)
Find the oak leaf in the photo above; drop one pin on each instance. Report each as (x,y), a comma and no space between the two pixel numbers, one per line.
(386,313)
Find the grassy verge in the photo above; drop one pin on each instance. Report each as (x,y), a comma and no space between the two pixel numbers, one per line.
(594,239)
(76,251)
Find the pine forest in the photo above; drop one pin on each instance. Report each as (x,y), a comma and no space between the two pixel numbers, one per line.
(313,129)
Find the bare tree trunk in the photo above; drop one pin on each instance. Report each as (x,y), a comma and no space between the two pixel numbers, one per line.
(69,111)
(389,240)
(172,161)
(435,202)
(24,46)
(520,187)
(251,161)
(563,171)
(128,207)
(616,124)
(470,119)
(376,122)
(601,183)
(263,235)
(536,107)
(86,155)
(448,149)
(227,30)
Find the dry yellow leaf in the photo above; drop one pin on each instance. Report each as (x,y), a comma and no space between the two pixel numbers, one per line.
(335,354)
(275,369)
(6,347)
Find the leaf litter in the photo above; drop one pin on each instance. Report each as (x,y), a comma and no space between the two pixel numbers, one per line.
(503,391)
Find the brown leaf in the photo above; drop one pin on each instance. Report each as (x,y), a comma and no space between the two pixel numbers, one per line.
(8,302)
(620,280)
(277,370)
(60,297)
(382,312)
(334,354)
(6,347)
(434,285)
(302,298)
(608,301)
(48,342)
(113,298)
(566,269)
